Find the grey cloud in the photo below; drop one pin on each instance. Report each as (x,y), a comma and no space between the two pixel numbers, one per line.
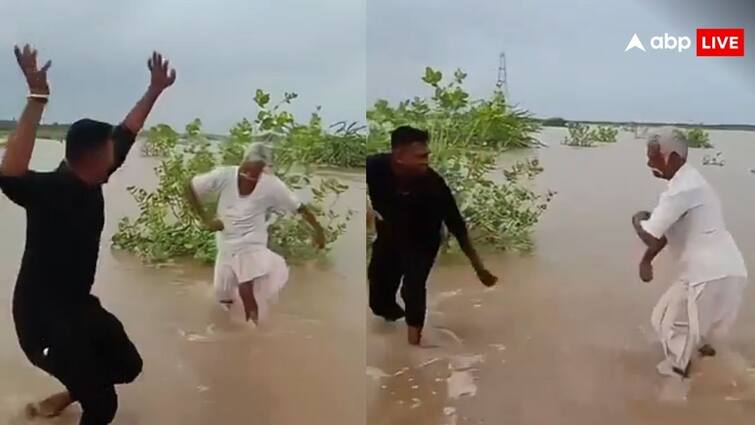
(223,52)
(564,58)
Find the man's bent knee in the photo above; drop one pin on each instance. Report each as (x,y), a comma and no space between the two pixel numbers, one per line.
(98,407)
(130,369)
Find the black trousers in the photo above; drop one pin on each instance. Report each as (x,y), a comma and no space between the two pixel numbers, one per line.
(393,265)
(86,349)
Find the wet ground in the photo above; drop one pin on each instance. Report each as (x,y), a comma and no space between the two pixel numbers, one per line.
(203,366)
(565,337)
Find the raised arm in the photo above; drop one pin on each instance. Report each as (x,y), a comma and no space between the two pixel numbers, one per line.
(161,77)
(20,144)
(125,134)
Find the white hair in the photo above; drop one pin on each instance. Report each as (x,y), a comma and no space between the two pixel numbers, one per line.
(259,152)
(669,140)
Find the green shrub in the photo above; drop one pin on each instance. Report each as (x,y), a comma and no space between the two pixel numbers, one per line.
(698,138)
(466,137)
(166,229)
(581,135)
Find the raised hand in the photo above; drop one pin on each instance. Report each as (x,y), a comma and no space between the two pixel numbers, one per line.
(162,76)
(36,77)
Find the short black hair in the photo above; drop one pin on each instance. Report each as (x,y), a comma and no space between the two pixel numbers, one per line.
(85,136)
(406,135)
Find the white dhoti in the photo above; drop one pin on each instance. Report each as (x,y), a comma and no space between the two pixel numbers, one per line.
(687,316)
(258,264)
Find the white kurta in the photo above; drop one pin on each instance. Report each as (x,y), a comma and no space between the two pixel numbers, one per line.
(243,255)
(704,301)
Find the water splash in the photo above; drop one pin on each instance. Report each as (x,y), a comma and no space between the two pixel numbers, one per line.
(375,373)
(461,384)
(464,362)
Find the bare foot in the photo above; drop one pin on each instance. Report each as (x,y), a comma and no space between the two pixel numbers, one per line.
(683,373)
(707,351)
(50,407)
(252,315)
(414,335)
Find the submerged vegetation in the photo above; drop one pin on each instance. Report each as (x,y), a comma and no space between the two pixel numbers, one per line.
(166,229)
(604,134)
(582,135)
(466,138)
(698,138)
(717,160)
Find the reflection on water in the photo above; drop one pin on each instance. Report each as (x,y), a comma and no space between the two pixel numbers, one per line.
(203,366)
(565,338)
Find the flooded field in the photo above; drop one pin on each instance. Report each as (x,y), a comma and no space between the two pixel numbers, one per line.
(565,337)
(203,366)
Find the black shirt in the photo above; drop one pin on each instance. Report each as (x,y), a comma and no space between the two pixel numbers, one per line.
(412,220)
(64,222)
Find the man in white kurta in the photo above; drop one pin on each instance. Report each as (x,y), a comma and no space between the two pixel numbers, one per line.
(703,302)
(244,262)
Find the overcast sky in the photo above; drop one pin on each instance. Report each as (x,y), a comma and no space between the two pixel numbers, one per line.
(223,51)
(565,58)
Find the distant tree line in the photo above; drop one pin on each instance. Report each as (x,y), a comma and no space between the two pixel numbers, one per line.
(561,122)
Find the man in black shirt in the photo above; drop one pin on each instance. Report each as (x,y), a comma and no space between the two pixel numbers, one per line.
(410,202)
(61,327)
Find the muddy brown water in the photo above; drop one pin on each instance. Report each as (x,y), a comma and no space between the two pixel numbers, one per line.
(203,367)
(565,337)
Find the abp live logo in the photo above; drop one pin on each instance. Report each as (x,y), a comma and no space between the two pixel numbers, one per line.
(710,42)
(720,42)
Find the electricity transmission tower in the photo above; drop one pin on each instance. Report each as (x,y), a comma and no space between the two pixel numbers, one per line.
(502,83)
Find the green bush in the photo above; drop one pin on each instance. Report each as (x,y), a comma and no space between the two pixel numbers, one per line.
(466,137)
(581,135)
(160,140)
(698,138)
(605,134)
(166,229)
(452,117)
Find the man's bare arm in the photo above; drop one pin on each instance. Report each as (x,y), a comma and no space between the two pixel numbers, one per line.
(457,226)
(212,224)
(312,220)
(654,245)
(161,78)
(194,205)
(653,250)
(648,239)
(20,144)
